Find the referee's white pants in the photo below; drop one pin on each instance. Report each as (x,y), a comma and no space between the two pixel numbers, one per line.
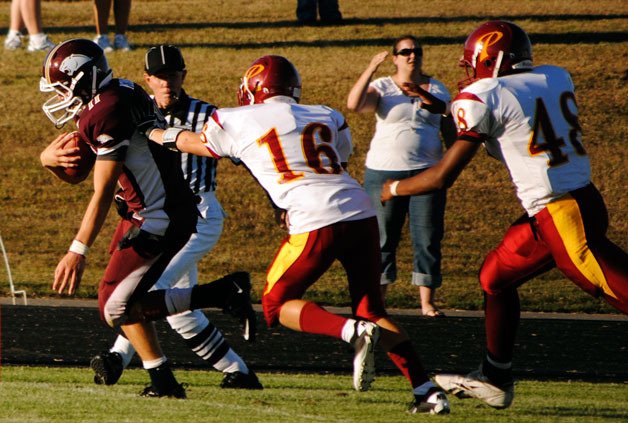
(182,271)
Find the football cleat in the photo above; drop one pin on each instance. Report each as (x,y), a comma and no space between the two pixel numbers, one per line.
(177,391)
(239,380)
(238,303)
(434,402)
(107,367)
(367,335)
(477,385)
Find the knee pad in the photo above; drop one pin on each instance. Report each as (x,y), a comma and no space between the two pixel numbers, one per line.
(113,312)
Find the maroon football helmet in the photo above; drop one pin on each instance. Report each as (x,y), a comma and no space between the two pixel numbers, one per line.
(269,76)
(74,70)
(495,48)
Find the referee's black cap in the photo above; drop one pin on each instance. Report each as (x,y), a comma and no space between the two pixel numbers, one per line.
(163,58)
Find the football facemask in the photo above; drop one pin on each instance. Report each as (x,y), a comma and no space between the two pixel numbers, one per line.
(64,105)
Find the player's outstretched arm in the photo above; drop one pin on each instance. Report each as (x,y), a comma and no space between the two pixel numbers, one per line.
(181,140)
(441,175)
(70,269)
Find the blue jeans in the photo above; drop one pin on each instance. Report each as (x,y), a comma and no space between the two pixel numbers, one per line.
(426,214)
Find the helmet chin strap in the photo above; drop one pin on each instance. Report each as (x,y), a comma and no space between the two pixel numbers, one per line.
(95,85)
(94,81)
(498,63)
(296,93)
(75,80)
(244,88)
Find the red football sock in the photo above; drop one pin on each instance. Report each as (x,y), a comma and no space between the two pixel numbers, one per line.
(407,360)
(315,319)
(501,322)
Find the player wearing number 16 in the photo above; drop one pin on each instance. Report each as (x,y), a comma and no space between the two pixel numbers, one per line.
(527,117)
(298,154)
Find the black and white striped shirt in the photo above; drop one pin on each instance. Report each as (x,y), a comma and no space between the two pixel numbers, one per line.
(191,114)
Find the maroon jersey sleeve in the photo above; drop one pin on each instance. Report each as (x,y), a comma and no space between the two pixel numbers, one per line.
(108,122)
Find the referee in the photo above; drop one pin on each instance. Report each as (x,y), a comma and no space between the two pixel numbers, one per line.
(164,74)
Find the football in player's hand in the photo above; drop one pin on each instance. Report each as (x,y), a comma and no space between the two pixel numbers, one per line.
(86,155)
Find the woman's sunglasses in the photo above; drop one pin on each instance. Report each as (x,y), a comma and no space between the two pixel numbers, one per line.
(418,51)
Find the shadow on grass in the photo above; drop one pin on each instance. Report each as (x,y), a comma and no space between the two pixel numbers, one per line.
(564,38)
(350,22)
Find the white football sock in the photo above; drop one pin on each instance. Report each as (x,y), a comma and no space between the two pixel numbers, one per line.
(348,331)
(153,364)
(231,362)
(498,365)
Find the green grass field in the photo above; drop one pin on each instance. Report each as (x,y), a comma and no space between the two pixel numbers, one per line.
(40,215)
(68,394)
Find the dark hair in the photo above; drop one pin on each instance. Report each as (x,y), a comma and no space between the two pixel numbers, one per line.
(412,38)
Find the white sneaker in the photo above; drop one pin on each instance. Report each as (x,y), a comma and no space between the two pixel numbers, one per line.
(364,360)
(120,42)
(13,41)
(44,45)
(476,385)
(435,402)
(104,43)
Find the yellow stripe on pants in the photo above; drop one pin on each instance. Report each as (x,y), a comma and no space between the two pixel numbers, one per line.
(566,215)
(286,257)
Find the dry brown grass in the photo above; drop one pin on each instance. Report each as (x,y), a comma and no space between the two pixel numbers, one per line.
(39,215)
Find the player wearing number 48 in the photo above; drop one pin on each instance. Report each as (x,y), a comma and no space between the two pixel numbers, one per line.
(527,117)
(298,154)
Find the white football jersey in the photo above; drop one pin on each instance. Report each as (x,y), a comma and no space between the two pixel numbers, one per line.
(530,122)
(295,152)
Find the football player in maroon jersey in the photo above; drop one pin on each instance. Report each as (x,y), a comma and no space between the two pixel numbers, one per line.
(161,209)
(164,75)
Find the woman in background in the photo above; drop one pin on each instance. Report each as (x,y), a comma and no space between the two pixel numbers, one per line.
(408,139)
